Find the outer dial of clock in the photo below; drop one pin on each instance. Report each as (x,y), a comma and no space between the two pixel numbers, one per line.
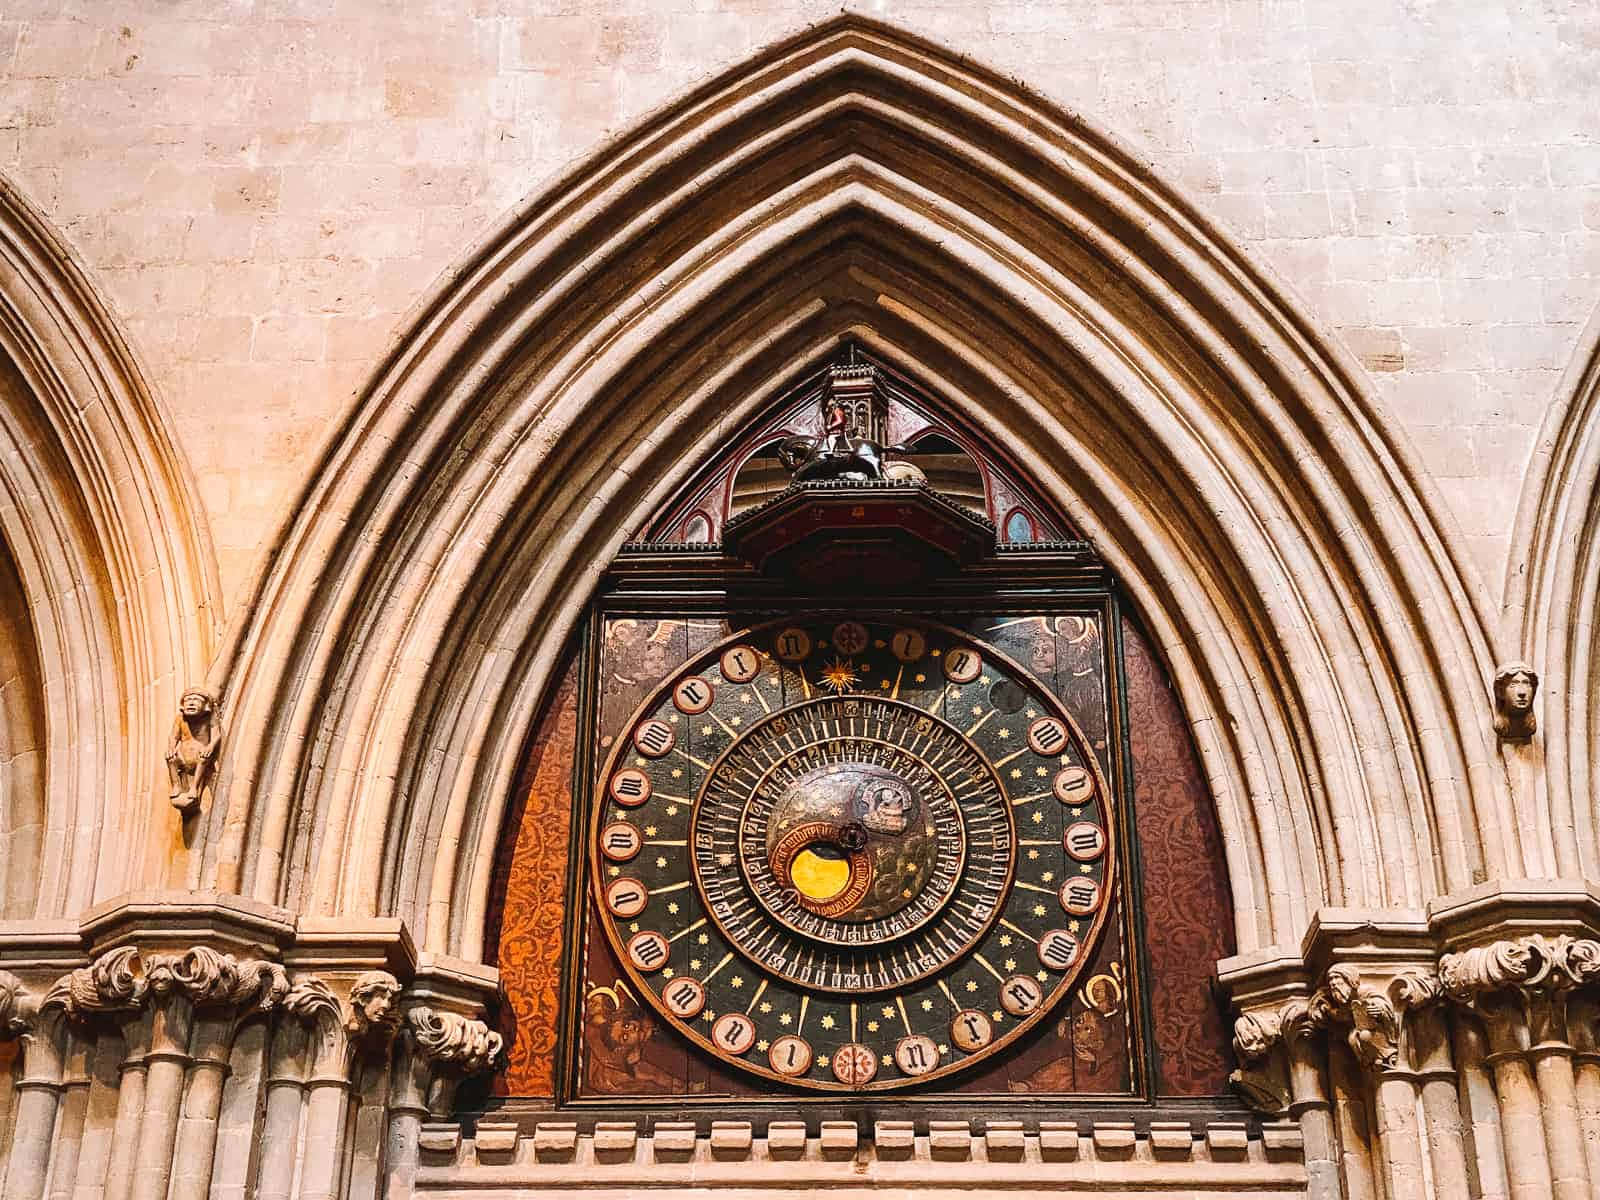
(835,862)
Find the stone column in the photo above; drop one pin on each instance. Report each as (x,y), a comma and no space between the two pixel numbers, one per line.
(42,1034)
(196,1143)
(1583,1013)
(1521,1123)
(1428,1042)
(136,1027)
(112,987)
(436,1051)
(339,1028)
(74,1108)
(214,987)
(1551,1055)
(280,1121)
(1310,1106)
(1480,1106)
(166,1065)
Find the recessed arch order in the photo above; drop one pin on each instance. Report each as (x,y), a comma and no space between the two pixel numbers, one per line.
(857,183)
(114,563)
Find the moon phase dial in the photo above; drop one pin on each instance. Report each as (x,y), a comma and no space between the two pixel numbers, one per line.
(852,855)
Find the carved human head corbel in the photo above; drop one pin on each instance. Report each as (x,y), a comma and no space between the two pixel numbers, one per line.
(1516,685)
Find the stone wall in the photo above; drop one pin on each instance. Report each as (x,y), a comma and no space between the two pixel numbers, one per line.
(264,189)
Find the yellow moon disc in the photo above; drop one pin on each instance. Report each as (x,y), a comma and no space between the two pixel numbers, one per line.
(819,876)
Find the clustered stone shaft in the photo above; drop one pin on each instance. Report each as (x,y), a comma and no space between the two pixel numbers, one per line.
(349,1060)
(1485,1063)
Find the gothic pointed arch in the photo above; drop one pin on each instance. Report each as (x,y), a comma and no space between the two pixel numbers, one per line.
(1551,604)
(114,566)
(858,184)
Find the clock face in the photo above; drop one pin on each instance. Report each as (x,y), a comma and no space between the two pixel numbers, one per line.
(852,855)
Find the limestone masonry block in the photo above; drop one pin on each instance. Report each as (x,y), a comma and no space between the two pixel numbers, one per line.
(495,1141)
(894,1139)
(615,1140)
(1058,1141)
(731,1139)
(1004,1140)
(950,1139)
(1114,1139)
(839,1139)
(673,1140)
(554,1140)
(439,1139)
(1228,1139)
(1171,1139)
(787,1139)
(1282,1139)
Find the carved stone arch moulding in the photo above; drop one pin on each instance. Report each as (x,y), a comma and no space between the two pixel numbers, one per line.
(1552,601)
(99,513)
(856,183)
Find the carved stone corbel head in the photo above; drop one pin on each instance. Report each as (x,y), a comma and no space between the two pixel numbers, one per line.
(1516,685)
(1374,1036)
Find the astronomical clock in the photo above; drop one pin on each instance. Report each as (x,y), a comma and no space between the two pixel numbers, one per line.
(846,853)
(840,800)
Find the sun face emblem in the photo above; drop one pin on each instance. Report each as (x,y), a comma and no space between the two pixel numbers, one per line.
(840,675)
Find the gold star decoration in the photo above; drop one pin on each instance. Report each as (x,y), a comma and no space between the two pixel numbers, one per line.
(672,810)
(1016,772)
(1032,854)
(1005,939)
(649,831)
(703,940)
(1047,877)
(672,908)
(1038,910)
(694,964)
(888,1010)
(972,985)
(765,1008)
(1011,964)
(839,675)
(660,862)
(1042,977)
(827,1021)
(822,1060)
(667,972)
(763,1044)
(888,1060)
(1002,734)
(927,1006)
(785,1019)
(737,981)
(872,1027)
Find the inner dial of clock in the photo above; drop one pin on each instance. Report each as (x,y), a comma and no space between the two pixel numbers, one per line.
(874,840)
(852,855)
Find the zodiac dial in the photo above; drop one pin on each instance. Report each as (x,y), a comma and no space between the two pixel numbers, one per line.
(852,855)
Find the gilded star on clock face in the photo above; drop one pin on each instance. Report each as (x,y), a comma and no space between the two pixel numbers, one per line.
(839,675)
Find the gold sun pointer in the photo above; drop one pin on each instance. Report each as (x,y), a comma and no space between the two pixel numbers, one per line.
(839,675)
